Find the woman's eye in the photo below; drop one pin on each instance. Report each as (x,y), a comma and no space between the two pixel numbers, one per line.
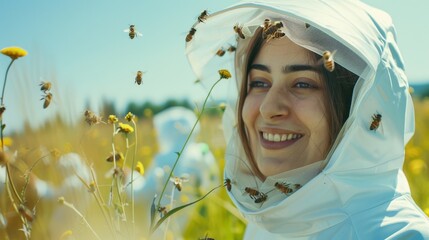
(257,84)
(303,85)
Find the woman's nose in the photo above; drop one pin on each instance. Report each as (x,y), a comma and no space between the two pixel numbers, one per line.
(275,105)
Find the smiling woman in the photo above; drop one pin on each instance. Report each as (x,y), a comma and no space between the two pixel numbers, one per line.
(303,156)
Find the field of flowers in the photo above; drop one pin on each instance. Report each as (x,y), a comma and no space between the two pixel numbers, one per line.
(69,182)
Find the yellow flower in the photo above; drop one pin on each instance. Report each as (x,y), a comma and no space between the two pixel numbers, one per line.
(125,128)
(129,117)
(224,74)
(14,52)
(112,119)
(7,141)
(140,168)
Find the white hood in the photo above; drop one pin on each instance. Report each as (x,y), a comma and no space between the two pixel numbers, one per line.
(363,170)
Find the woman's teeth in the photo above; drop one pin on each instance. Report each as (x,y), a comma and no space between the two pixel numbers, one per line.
(280,137)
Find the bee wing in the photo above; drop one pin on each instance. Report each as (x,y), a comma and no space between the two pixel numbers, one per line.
(138,33)
(246,31)
(127,30)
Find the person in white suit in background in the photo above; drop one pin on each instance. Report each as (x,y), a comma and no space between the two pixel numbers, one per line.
(196,169)
(317,128)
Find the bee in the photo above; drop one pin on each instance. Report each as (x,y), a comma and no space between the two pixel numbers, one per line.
(328,60)
(139,78)
(220,52)
(45,86)
(132,32)
(203,16)
(227,183)
(190,34)
(376,120)
(262,197)
(239,30)
(177,181)
(267,24)
(253,193)
(2,109)
(118,157)
(283,187)
(162,210)
(272,29)
(278,34)
(231,49)
(47,98)
(26,213)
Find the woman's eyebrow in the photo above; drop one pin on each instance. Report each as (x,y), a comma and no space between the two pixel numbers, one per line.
(260,67)
(287,68)
(300,67)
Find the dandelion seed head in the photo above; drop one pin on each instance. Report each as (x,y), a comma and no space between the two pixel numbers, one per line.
(13,52)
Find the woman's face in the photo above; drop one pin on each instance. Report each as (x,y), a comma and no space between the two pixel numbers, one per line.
(284,111)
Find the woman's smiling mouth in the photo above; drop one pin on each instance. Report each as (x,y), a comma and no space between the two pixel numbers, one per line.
(278,140)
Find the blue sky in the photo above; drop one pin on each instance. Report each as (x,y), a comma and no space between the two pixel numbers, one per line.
(81,48)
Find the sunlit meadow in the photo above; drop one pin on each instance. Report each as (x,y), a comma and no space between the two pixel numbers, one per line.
(111,145)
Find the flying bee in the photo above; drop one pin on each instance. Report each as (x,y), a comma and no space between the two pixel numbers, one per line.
(177,181)
(220,52)
(376,120)
(283,187)
(203,16)
(231,49)
(2,109)
(162,210)
(47,98)
(190,34)
(239,30)
(132,32)
(45,86)
(117,157)
(262,197)
(139,77)
(328,60)
(272,29)
(253,193)
(227,184)
(26,213)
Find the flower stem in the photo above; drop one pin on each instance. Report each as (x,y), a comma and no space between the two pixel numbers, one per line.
(1,102)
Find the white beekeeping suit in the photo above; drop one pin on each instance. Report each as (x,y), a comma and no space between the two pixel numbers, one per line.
(360,190)
(196,164)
